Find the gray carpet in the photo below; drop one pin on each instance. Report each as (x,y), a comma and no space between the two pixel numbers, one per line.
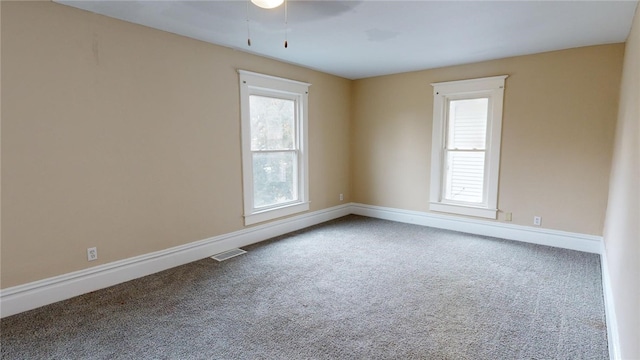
(353,288)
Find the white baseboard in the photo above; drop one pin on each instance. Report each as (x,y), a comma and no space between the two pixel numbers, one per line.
(535,235)
(609,308)
(29,296)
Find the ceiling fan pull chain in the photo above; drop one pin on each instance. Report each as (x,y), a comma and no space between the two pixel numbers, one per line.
(248,27)
(286,26)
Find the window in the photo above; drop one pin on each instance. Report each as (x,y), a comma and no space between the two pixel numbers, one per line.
(274,142)
(465,157)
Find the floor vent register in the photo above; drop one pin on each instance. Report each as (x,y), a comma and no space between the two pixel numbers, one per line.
(228,254)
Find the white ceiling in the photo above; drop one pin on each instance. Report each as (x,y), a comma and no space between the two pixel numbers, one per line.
(358,39)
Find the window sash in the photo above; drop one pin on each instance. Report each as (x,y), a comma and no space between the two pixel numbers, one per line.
(451,187)
(451,125)
(295,175)
(295,144)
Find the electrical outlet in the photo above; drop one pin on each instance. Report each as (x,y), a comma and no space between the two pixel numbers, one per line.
(537,220)
(341,197)
(92,254)
(508,216)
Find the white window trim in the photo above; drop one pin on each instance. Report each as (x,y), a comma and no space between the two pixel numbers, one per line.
(493,88)
(260,84)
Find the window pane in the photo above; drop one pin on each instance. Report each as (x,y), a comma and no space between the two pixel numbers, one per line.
(467,123)
(465,176)
(272,123)
(274,178)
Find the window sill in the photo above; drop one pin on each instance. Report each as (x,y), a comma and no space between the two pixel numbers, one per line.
(266,215)
(464,210)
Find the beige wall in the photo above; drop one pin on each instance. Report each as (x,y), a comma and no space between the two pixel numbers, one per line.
(622,230)
(127,138)
(559,118)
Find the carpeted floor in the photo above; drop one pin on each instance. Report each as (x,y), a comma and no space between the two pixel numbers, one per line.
(353,288)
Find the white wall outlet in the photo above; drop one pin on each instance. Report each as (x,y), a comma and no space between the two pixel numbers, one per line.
(92,254)
(537,220)
(341,197)
(508,216)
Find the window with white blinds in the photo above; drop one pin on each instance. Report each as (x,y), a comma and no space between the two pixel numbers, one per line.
(466,146)
(465,150)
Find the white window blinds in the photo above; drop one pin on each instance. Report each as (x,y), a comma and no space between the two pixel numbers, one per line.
(465,150)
